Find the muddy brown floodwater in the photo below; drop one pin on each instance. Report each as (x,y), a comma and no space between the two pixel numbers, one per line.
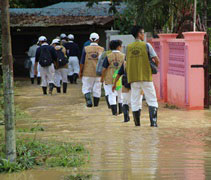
(180,148)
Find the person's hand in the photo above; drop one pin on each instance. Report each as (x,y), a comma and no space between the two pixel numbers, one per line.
(102,80)
(80,75)
(113,87)
(35,71)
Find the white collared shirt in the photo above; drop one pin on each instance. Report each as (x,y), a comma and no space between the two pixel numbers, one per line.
(93,44)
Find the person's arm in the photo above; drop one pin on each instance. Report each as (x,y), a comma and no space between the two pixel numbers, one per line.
(105,67)
(153,54)
(37,56)
(82,63)
(114,85)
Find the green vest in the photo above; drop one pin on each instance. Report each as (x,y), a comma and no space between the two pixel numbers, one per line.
(138,66)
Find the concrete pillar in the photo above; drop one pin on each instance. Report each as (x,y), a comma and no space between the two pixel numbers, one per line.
(108,34)
(164,63)
(195,76)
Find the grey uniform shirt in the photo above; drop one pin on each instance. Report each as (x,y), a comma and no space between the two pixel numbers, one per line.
(152,52)
(32,50)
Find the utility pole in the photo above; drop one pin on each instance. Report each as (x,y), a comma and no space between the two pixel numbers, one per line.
(7,67)
(194,16)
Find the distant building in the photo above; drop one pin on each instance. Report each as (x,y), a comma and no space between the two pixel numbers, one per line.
(65,17)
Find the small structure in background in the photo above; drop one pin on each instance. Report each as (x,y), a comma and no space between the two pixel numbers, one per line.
(65,17)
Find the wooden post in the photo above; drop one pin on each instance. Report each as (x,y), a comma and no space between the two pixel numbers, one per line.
(7,66)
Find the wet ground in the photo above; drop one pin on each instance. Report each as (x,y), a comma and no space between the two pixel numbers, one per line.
(180,148)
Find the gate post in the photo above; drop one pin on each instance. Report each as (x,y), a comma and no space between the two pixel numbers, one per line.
(195,70)
(164,63)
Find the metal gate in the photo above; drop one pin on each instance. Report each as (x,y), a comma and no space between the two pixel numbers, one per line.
(207,72)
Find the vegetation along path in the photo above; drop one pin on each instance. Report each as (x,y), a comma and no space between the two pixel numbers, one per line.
(180,148)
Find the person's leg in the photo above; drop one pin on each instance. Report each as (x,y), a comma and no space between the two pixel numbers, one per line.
(50,77)
(64,72)
(151,99)
(70,70)
(106,95)
(125,108)
(44,83)
(57,80)
(38,75)
(119,95)
(87,84)
(112,99)
(135,102)
(32,70)
(96,91)
(76,69)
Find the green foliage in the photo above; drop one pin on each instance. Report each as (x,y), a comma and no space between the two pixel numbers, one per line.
(0,43)
(32,153)
(78,177)
(158,15)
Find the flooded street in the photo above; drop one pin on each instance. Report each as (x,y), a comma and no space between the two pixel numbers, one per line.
(180,148)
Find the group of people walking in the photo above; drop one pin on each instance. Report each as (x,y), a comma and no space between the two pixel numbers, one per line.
(125,77)
(54,63)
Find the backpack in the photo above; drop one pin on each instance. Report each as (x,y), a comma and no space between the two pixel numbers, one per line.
(61,59)
(45,57)
(99,66)
(28,63)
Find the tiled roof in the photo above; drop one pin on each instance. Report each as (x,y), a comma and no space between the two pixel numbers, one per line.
(69,9)
(64,13)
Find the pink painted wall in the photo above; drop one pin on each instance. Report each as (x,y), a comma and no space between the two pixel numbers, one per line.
(176,82)
(176,90)
(194,42)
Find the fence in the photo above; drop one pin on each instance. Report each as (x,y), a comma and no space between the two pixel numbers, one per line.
(176,82)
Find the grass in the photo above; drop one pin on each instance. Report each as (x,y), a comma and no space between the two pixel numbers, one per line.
(170,106)
(78,177)
(32,153)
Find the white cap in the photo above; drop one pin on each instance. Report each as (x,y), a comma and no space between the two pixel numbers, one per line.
(55,41)
(63,35)
(42,38)
(94,37)
(70,36)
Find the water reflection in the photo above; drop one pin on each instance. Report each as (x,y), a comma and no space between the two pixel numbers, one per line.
(179,149)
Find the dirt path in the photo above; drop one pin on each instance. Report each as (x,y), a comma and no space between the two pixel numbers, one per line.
(179,148)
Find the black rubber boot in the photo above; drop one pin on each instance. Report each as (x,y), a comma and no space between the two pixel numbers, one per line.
(64,87)
(120,108)
(114,110)
(44,89)
(136,117)
(32,80)
(109,107)
(38,80)
(51,86)
(125,110)
(96,101)
(58,89)
(153,116)
(75,77)
(71,79)
(88,99)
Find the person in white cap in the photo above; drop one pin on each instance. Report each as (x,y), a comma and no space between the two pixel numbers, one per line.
(63,38)
(45,56)
(73,55)
(91,82)
(31,53)
(61,67)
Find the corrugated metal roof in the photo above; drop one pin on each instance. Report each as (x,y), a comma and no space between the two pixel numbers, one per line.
(69,9)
